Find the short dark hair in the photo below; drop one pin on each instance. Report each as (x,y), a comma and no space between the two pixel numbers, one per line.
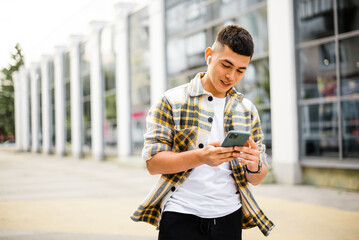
(236,38)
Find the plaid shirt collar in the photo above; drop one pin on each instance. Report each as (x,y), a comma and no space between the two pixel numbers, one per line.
(196,89)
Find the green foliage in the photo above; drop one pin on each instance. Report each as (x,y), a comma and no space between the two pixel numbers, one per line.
(7,118)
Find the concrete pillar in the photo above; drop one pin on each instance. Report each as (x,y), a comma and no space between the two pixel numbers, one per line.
(25,109)
(46,104)
(76,97)
(97,92)
(60,107)
(285,144)
(18,113)
(157,49)
(35,107)
(123,80)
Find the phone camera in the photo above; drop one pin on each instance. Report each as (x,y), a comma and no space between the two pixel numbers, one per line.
(233,136)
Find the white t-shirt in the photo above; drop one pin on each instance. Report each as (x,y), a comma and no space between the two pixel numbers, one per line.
(209,192)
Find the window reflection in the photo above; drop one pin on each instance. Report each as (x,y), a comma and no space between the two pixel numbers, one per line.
(195,13)
(315,19)
(176,56)
(67,96)
(348,15)
(85,78)
(255,84)
(349,66)
(195,47)
(108,68)
(318,71)
(320,130)
(175,22)
(225,8)
(350,121)
(52,99)
(249,3)
(266,124)
(110,124)
(256,23)
(178,80)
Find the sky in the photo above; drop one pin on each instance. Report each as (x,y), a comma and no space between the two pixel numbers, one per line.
(40,25)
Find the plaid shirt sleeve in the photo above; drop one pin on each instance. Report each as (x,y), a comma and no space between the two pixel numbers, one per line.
(160,129)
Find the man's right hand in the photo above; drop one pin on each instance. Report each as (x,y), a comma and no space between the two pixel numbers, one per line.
(214,155)
(168,162)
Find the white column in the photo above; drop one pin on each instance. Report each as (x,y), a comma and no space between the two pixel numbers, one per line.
(157,49)
(18,112)
(60,110)
(35,107)
(285,145)
(76,97)
(25,109)
(46,104)
(123,80)
(97,92)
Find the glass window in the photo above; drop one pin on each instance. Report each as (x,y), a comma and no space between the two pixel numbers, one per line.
(256,23)
(266,124)
(349,66)
(248,3)
(85,78)
(68,124)
(87,123)
(108,58)
(52,105)
(140,76)
(318,71)
(68,112)
(178,80)
(110,125)
(348,15)
(350,121)
(195,47)
(315,19)
(175,22)
(195,14)
(176,56)
(109,76)
(225,8)
(255,84)
(320,130)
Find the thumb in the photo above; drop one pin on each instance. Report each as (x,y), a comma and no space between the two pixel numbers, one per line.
(215,144)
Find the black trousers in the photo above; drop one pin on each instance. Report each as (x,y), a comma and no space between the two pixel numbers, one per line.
(179,226)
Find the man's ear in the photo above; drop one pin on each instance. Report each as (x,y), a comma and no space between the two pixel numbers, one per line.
(208,54)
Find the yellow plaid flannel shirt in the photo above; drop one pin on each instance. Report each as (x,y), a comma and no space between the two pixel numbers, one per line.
(179,122)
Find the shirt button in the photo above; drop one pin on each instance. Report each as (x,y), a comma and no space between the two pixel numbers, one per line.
(210,119)
(201,145)
(173,189)
(210,98)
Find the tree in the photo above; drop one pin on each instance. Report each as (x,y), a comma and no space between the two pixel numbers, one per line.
(7,118)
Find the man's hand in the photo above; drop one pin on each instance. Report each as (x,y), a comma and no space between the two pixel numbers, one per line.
(248,155)
(214,155)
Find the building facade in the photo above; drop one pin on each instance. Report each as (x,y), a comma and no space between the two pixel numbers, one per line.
(92,97)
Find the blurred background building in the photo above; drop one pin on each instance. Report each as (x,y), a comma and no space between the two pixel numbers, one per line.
(91,97)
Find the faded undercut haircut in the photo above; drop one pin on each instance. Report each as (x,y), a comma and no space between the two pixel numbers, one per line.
(236,38)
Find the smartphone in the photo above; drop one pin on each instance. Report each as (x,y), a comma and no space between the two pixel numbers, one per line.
(235,138)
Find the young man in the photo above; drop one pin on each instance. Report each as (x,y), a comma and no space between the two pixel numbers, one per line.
(203,190)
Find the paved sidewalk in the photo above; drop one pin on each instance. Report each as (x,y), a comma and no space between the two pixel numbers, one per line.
(54,198)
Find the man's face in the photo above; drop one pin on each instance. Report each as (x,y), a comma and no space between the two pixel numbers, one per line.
(225,69)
